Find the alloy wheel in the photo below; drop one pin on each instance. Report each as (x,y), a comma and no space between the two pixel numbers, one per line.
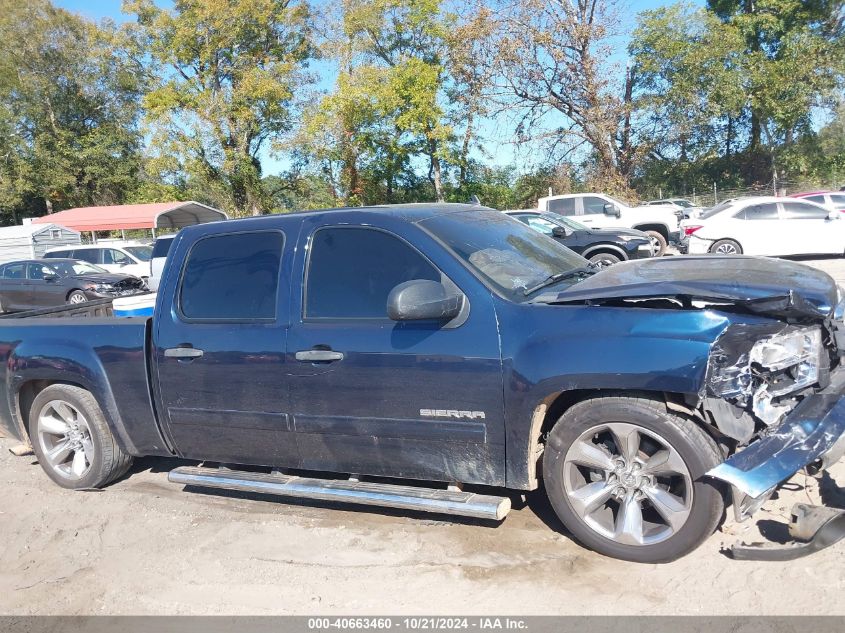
(628,484)
(65,439)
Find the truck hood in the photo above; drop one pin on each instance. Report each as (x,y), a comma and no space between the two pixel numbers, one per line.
(615,232)
(759,285)
(106,278)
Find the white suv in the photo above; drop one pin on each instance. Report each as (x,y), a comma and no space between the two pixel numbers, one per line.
(126,257)
(598,210)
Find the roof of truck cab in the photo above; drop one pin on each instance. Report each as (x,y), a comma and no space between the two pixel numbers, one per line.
(415,212)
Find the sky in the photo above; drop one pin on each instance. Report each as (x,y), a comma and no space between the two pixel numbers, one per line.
(498,134)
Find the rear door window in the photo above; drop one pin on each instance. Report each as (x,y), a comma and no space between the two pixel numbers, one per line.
(232,277)
(14,271)
(563,206)
(767,211)
(90,255)
(802,211)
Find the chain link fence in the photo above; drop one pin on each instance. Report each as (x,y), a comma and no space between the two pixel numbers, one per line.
(715,194)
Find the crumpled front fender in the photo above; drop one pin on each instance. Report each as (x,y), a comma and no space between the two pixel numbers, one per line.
(814,431)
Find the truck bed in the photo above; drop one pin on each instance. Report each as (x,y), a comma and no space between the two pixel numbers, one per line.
(83,348)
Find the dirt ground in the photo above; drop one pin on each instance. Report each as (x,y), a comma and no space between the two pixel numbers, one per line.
(144,546)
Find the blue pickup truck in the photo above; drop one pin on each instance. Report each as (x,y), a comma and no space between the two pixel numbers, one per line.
(403,356)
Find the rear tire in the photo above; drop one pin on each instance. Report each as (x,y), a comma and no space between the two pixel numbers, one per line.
(660,243)
(726,247)
(603,260)
(72,440)
(77,296)
(626,477)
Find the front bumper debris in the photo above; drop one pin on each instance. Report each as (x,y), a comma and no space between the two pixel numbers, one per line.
(816,528)
(814,432)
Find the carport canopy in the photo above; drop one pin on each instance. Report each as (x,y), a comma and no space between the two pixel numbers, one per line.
(156,215)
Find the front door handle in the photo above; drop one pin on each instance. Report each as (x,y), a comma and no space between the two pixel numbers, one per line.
(318,356)
(183,352)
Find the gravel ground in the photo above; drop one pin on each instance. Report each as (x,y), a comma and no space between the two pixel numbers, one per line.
(143,546)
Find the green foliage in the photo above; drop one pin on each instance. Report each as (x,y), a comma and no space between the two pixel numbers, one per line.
(68,112)
(226,77)
(187,102)
(730,92)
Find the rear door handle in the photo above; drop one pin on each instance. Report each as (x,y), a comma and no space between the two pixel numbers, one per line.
(318,356)
(183,352)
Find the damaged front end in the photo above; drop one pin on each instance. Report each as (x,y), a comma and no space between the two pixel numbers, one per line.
(776,391)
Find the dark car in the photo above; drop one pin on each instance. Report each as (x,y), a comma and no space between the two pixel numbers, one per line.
(39,283)
(604,247)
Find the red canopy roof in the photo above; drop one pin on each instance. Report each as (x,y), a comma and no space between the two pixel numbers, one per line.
(171,215)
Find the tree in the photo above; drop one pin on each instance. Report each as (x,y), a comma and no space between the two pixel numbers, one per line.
(555,67)
(403,43)
(732,90)
(68,111)
(793,52)
(227,76)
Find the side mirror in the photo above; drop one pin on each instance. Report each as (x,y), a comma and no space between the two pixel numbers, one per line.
(612,209)
(51,278)
(559,231)
(422,299)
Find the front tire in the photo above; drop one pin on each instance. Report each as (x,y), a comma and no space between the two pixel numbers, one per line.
(659,242)
(603,260)
(76,297)
(626,477)
(72,440)
(726,247)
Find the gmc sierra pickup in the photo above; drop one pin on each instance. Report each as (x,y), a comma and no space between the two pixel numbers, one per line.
(393,346)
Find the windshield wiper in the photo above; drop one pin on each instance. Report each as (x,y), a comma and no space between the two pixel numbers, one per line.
(585,271)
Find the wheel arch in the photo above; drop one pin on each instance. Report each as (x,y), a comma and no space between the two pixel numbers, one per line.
(610,249)
(547,412)
(729,239)
(27,384)
(663,229)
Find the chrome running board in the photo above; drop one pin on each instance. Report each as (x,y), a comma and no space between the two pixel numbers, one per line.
(440,501)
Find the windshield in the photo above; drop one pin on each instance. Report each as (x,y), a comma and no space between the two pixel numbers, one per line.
(717,209)
(67,269)
(686,204)
(143,253)
(617,201)
(509,255)
(162,246)
(564,221)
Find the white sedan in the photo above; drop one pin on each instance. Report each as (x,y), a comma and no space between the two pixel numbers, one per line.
(765,226)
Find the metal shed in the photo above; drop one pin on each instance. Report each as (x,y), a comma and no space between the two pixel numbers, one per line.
(31,240)
(170,216)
